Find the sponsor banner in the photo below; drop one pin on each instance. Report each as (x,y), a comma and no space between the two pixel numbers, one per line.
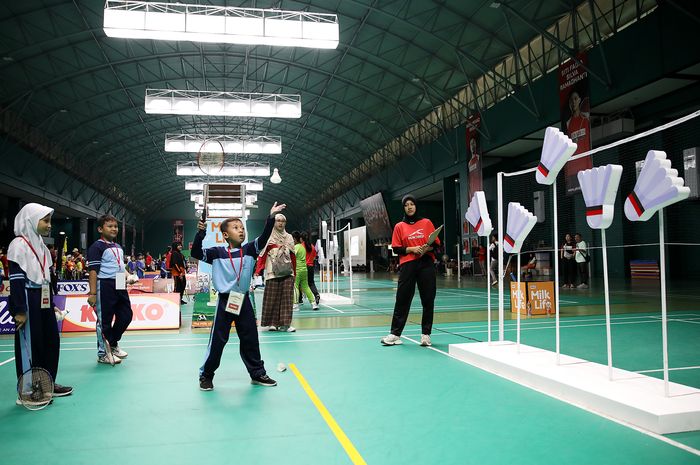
(151,311)
(575,111)
(538,300)
(168,284)
(178,230)
(73,287)
(151,274)
(7,323)
(142,285)
(476,182)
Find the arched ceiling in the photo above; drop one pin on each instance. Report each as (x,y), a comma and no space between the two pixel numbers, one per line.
(397,60)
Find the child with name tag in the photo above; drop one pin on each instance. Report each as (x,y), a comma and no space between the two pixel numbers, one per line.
(108,296)
(31,296)
(232,270)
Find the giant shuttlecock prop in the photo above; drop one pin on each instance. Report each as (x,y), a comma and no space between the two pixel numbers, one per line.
(520,223)
(556,151)
(599,187)
(658,186)
(478,214)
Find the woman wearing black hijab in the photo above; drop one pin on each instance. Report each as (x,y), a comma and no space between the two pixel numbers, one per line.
(178,270)
(416,266)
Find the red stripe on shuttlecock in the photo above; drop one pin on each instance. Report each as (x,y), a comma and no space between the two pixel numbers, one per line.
(593,211)
(478,225)
(636,203)
(509,240)
(543,169)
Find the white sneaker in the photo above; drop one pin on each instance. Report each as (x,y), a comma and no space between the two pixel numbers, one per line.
(315,306)
(425,340)
(118,352)
(582,286)
(291,329)
(295,307)
(391,340)
(106,359)
(267,328)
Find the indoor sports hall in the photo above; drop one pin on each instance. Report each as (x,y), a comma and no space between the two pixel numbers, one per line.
(477,227)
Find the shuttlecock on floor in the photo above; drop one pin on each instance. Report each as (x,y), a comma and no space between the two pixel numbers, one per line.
(599,187)
(478,214)
(658,186)
(557,149)
(281,367)
(520,223)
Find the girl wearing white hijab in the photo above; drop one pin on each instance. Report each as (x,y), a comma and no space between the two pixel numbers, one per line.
(31,296)
(278,261)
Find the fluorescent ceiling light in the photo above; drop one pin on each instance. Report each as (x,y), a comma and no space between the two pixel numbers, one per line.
(210,103)
(194,143)
(231,25)
(227,213)
(250,184)
(249,169)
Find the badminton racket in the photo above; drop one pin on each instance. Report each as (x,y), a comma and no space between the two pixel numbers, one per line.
(108,349)
(35,385)
(210,158)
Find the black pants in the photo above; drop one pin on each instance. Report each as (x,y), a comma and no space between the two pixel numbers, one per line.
(41,333)
(247,331)
(583,272)
(112,304)
(310,279)
(180,283)
(421,272)
(569,266)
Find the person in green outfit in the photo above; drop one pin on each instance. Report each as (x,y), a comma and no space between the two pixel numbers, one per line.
(301,284)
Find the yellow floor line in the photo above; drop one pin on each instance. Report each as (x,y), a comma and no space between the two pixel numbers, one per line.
(332,424)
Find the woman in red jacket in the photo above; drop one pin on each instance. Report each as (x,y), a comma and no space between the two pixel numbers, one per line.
(416,266)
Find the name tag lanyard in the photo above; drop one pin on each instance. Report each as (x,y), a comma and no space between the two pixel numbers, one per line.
(42,265)
(240,268)
(112,246)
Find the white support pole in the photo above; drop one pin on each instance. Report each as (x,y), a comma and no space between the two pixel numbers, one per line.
(664,321)
(350,266)
(459,262)
(488,290)
(608,333)
(556,270)
(519,304)
(501,315)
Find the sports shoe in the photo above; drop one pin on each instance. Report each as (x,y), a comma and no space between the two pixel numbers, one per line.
(315,306)
(205,384)
(318,299)
(31,403)
(62,391)
(291,329)
(582,286)
(425,340)
(268,328)
(107,359)
(295,307)
(263,380)
(117,351)
(391,340)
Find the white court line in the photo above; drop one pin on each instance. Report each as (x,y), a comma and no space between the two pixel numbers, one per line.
(332,308)
(7,361)
(581,406)
(670,369)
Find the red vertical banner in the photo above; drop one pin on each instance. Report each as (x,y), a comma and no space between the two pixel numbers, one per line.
(178,230)
(474,155)
(575,111)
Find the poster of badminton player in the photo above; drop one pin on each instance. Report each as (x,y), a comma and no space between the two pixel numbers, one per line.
(178,230)
(474,155)
(574,105)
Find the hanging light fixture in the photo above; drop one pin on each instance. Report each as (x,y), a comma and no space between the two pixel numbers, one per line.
(249,169)
(211,103)
(192,143)
(250,184)
(232,25)
(275,178)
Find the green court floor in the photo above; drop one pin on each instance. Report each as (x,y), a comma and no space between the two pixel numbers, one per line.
(394,405)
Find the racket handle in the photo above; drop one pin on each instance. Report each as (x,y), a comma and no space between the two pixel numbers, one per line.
(204,215)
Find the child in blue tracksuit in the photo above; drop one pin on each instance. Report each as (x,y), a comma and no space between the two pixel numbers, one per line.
(232,270)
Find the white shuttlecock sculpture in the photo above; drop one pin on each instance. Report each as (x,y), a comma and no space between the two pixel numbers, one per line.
(556,151)
(478,214)
(520,223)
(658,186)
(599,187)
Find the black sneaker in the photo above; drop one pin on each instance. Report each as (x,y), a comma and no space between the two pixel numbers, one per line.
(205,384)
(62,391)
(263,380)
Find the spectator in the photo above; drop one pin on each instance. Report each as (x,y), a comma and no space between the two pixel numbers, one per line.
(568,263)
(493,266)
(582,259)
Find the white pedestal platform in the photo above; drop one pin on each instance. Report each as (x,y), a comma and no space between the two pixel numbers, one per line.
(335,299)
(631,397)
